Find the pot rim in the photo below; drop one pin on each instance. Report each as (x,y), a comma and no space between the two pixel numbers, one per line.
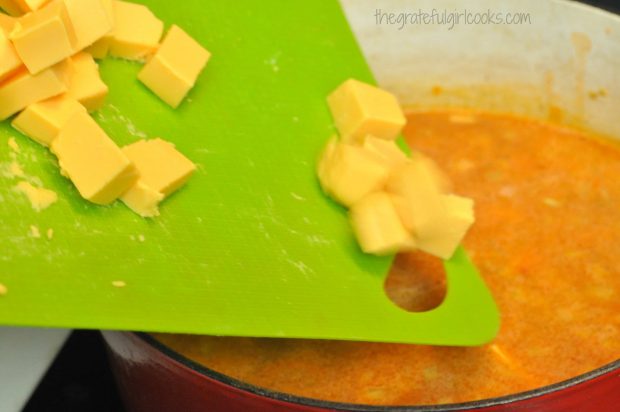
(318,403)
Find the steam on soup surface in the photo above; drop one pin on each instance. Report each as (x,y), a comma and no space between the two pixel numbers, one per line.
(545,241)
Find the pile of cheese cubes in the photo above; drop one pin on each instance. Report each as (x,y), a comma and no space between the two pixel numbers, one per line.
(397,203)
(49,78)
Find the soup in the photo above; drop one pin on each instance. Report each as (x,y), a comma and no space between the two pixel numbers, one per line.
(545,241)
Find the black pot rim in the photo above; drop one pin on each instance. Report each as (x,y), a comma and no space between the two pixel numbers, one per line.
(318,403)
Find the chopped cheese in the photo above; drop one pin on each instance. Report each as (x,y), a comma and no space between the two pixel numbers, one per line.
(24,89)
(100,48)
(65,70)
(86,85)
(143,200)
(94,163)
(386,149)
(349,173)
(19,7)
(43,121)
(377,226)
(44,37)
(90,21)
(40,198)
(324,163)
(418,197)
(7,23)
(455,223)
(174,68)
(136,32)
(360,109)
(9,60)
(162,168)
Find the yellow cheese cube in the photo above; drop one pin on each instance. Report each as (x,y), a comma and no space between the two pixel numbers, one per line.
(9,60)
(348,173)
(19,7)
(7,23)
(43,121)
(454,226)
(23,89)
(325,157)
(377,226)
(136,32)
(94,163)
(387,150)
(65,70)
(90,21)
(174,68)
(360,109)
(44,37)
(100,48)
(442,181)
(419,198)
(143,200)
(162,168)
(86,85)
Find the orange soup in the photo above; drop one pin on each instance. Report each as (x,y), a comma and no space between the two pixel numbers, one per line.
(545,241)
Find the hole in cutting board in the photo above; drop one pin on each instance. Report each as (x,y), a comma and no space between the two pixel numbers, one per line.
(416,282)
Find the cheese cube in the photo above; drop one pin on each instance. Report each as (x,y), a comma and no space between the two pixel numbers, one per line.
(94,163)
(24,89)
(9,60)
(454,226)
(90,21)
(65,71)
(174,68)
(161,166)
(325,158)
(43,121)
(7,23)
(387,150)
(360,109)
(441,179)
(418,197)
(19,7)
(349,173)
(377,227)
(100,48)
(86,85)
(44,37)
(136,32)
(143,200)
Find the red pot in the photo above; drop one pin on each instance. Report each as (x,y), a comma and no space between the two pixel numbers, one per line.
(152,377)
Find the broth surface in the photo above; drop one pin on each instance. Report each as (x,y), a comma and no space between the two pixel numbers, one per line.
(545,241)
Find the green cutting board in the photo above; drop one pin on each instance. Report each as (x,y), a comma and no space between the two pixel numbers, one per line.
(250,246)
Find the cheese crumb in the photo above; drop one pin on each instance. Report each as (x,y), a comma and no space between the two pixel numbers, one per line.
(141,238)
(39,197)
(13,145)
(34,232)
(15,170)
(119,283)
(3,290)
(50,233)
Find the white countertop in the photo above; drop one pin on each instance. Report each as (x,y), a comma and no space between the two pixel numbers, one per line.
(25,356)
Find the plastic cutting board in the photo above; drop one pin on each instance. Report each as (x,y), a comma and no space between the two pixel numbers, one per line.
(250,246)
